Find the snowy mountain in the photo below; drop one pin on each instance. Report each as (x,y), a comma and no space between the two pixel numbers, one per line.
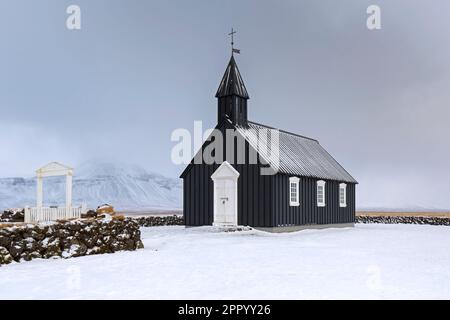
(95,183)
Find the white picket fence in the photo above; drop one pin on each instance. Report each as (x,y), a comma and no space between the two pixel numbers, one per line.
(35,215)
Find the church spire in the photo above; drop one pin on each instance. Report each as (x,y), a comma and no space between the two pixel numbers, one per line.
(232,83)
(232,96)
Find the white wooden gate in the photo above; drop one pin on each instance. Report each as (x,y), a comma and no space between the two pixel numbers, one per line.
(44,214)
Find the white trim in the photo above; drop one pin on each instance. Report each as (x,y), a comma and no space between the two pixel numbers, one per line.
(343,186)
(294,182)
(321,184)
(224,171)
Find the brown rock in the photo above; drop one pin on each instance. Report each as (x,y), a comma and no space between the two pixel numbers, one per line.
(5,256)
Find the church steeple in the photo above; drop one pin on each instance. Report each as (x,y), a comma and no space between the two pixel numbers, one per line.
(232,96)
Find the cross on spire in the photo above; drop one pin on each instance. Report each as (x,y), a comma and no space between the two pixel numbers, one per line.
(233,50)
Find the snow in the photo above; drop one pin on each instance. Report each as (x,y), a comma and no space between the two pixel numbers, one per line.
(366,262)
(71,251)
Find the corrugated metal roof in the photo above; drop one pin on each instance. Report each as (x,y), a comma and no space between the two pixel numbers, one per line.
(232,83)
(298,155)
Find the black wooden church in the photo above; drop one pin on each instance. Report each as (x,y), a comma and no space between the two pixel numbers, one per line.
(310,188)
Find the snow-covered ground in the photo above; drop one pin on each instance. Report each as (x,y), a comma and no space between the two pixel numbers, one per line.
(368,261)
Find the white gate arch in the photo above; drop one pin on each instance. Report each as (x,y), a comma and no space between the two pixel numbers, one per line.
(41,213)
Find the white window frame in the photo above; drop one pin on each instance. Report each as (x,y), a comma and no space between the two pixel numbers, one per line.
(343,186)
(321,184)
(294,181)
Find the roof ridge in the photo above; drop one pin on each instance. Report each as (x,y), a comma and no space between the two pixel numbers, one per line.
(284,131)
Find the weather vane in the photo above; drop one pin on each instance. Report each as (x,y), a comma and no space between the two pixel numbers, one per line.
(233,50)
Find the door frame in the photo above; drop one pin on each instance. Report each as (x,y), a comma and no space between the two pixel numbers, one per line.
(226,172)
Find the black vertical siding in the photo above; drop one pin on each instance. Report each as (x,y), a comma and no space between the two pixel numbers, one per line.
(308,213)
(254,193)
(254,200)
(263,201)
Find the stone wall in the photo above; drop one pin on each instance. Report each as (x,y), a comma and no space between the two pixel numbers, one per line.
(154,221)
(68,239)
(12,215)
(435,221)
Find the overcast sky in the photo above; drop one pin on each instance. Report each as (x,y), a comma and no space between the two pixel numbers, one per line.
(378,101)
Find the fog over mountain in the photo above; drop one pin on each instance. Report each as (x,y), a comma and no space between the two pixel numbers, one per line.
(122,185)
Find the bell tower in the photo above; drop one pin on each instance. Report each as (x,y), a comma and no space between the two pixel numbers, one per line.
(232,95)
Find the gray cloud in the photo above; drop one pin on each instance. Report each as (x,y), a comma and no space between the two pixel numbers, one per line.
(378,101)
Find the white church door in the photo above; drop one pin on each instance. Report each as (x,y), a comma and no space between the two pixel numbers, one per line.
(225,195)
(225,200)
